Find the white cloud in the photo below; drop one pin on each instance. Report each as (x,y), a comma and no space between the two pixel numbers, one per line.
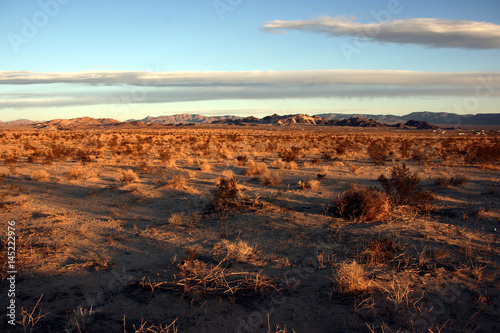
(429,32)
(122,87)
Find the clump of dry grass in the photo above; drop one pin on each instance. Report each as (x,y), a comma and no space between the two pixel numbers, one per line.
(364,204)
(257,169)
(350,277)
(271,179)
(238,250)
(176,219)
(39,175)
(128,176)
(204,166)
(178,182)
(311,184)
(78,173)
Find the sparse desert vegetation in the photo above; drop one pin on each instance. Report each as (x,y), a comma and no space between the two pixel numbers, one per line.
(247,229)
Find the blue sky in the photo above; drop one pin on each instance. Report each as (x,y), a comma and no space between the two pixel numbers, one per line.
(130,59)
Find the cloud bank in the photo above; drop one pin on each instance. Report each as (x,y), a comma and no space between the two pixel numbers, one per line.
(129,87)
(428,32)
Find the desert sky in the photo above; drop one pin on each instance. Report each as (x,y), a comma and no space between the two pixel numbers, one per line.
(131,59)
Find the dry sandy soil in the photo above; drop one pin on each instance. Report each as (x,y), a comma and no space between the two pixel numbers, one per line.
(230,229)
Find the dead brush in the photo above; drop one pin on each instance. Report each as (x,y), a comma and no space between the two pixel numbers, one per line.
(378,251)
(237,250)
(194,277)
(403,189)
(378,151)
(257,169)
(228,197)
(363,204)
(351,278)
(271,178)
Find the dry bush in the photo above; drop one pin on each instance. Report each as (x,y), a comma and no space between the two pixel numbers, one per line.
(453,180)
(328,155)
(39,175)
(177,182)
(204,166)
(78,173)
(176,219)
(379,251)
(403,188)
(350,277)
(405,147)
(238,250)
(290,155)
(378,152)
(311,184)
(257,169)
(364,204)
(128,176)
(483,153)
(242,159)
(282,165)
(271,179)
(226,195)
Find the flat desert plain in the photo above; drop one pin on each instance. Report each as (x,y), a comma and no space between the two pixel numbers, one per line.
(251,229)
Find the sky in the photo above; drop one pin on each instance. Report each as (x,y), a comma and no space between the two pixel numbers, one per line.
(127,59)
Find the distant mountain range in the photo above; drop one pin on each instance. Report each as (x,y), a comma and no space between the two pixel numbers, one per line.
(437,118)
(421,120)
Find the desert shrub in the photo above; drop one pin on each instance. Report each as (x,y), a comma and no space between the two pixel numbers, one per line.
(316,161)
(83,155)
(379,251)
(404,148)
(350,277)
(204,166)
(482,153)
(242,159)
(328,155)
(271,179)
(128,176)
(256,169)
(238,250)
(78,173)
(311,184)
(453,180)
(342,147)
(40,175)
(290,155)
(226,195)
(165,155)
(176,219)
(378,152)
(178,182)
(364,204)
(10,160)
(421,156)
(403,188)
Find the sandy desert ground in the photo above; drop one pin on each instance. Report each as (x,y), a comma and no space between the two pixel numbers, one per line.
(252,229)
